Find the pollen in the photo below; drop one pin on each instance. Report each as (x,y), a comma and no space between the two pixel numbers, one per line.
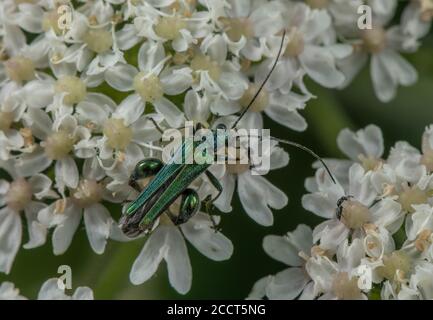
(118,134)
(169,27)
(295,45)
(19,195)
(6,120)
(374,39)
(423,241)
(354,214)
(27,135)
(346,288)
(74,88)
(204,63)
(98,40)
(20,69)
(58,145)
(60,206)
(370,163)
(235,28)
(426,8)
(410,196)
(87,193)
(149,88)
(261,102)
(51,21)
(395,265)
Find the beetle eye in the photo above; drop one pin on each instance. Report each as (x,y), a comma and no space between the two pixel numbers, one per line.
(221,126)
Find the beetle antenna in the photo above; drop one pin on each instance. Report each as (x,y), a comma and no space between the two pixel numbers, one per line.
(302,147)
(263,83)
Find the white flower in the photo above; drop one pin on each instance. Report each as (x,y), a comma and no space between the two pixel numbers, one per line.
(282,107)
(11,111)
(84,201)
(420,285)
(257,195)
(127,133)
(166,242)
(364,146)
(248,25)
(216,73)
(350,211)
(306,53)
(338,280)
(388,69)
(152,81)
(290,249)
(94,47)
(181,27)
(21,196)
(50,290)
(9,292)
(416,21)
(60,139)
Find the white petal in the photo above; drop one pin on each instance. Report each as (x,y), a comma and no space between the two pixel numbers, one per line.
(224,201)
(178,264)
(121,76)
(213,245)
(37,231)
(150,257)
(319,64)
(127,37)
(176,81)
(38,94)
(367,142)
(258,291)
(41,123)
(98,224)
(383,82)
(280,248)
(150,55)
(63,234)
(290,119)
(130,109)
(171,113)
(50,291)
(195,108)
(32,163)
(287,284)
(10,238)
(257,195)
(67,172)
(41,185)
(319,204)
(83,293)
(233,84)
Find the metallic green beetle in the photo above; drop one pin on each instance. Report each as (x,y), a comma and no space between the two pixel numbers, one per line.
(171,180)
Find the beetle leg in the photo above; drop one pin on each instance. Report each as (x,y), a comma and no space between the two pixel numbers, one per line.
(208,202)
(145,168)
(189,205)
(214,181)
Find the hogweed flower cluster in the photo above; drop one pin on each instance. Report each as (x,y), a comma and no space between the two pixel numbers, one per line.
(376,239)
(85,86)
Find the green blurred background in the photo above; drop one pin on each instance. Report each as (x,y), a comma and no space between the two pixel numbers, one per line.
(403,119)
